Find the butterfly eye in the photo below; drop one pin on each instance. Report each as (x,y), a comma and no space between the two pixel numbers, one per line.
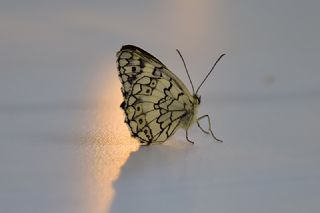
(199,99)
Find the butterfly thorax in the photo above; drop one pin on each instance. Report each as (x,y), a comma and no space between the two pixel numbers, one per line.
(192,111)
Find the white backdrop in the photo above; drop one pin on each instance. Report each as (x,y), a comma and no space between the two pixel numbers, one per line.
(64,146)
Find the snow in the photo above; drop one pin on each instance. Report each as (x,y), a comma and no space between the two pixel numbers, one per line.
(65,148)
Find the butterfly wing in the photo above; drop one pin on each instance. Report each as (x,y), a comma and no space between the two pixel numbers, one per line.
(133,61)
(154,109)
(156,101)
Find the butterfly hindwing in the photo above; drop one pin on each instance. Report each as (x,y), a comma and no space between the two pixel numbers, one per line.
(154,108)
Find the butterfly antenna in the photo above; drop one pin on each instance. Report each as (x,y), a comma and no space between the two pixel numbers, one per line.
(185,66)
(210,72)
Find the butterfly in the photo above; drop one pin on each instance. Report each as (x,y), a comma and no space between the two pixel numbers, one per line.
(156,102)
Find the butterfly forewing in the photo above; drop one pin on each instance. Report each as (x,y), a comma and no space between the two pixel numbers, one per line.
(132,61)
(155,100)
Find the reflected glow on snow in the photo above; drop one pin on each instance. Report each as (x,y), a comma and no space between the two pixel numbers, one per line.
(110,144)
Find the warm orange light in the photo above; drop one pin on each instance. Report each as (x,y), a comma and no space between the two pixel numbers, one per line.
(109,144)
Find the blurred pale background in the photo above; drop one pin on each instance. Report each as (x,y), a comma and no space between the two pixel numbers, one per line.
(64,146)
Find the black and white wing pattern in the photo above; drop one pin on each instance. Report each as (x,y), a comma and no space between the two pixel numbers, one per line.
(156,102)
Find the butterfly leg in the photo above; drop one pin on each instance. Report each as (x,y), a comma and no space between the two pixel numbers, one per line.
(202,128)
(209,122)
(190,141)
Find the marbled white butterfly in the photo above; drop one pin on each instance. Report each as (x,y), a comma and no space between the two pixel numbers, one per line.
(156,102)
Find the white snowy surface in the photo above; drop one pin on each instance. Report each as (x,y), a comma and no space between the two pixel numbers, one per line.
(64,146)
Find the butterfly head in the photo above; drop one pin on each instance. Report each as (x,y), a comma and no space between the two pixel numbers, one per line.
(197,99)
